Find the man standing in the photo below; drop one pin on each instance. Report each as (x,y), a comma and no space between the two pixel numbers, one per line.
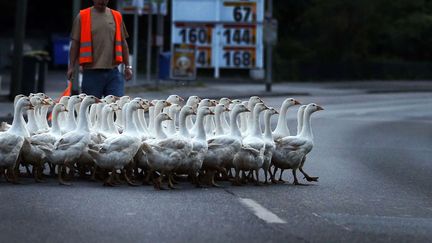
(99,46)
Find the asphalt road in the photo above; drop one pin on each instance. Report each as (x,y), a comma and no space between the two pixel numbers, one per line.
(372,153)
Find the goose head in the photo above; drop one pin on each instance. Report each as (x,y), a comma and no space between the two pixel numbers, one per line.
(253,100)
(193,101)
(58,108)
(240,108)
(64,100)
(225,101)
(271,111)
(17,98)
(174,109)
(162,117)
(259,107)
(24,102)
(175,99)
(187,110)
(290,102)
(312,107)
(109,99)
(205,111)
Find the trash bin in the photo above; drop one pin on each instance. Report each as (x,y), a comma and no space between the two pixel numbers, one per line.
(164,65)
(35,68)
(60,50)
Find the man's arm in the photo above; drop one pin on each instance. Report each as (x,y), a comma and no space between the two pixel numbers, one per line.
(73,57)
(128,69)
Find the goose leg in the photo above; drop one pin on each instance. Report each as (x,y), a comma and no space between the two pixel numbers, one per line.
(280,177)
(257,182)
(129,182)
(109,182)
(236,181)
(212,176)
(294,172)
(35,171)
(170,181)
(273,180)
(11,171)
(60,176)
(157,183)
(306,176)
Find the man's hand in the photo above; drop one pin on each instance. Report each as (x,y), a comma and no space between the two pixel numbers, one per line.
(69,73)
(128,74)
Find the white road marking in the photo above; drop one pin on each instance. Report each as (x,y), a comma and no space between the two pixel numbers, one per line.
(261,212)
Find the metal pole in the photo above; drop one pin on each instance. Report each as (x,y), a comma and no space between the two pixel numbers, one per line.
(135,48)
(149,42)
(159,38)
(75,76)
(17,62)
(269,53)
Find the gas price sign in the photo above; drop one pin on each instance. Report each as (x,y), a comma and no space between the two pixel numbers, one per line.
(225,33)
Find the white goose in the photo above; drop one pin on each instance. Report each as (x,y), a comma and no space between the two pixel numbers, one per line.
(192,101)
(72,144)
(117,151)
(13,139)
(282,129)
(221,149)
(192,164)
(4,126)
(269,142)
(250,157)
(290,151)
(300,114)
(165,154)
(70,123)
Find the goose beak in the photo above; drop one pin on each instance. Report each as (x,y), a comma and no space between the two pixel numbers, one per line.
(151,104)
(30,107)
(319,108)
(227,109)
(98,100)
(247,110)
(168,103)
(66,110)
(194,113)
(181,99)
(211,113)
(116,98)
(45,102)
(276,112)
(296,102)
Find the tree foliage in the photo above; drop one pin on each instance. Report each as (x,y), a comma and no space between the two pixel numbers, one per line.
(340,30)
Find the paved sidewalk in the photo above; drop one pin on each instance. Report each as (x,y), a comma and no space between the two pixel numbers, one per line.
(55,84)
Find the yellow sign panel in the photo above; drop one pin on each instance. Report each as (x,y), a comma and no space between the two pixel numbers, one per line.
(183,62)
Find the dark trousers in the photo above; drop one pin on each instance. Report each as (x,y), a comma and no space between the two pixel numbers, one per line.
(103,82)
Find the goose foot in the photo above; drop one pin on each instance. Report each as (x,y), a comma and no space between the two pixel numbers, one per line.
(311,178)
(60,177)
(298,183)
(13,180)
(129,181)
(157,183)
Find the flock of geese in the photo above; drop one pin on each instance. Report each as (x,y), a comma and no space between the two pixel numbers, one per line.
(128,139)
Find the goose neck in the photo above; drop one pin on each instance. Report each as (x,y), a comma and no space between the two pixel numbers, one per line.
(234,129)
(55,127)
(201,134)
(182,125)
(256,130)
(82,117)
(218,121)
(18,124)
(160,134)
(267,127)
(307,128)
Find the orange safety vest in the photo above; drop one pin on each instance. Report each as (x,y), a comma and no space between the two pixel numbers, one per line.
(86,51)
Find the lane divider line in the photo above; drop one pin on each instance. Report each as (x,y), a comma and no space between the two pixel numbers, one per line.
(261,212)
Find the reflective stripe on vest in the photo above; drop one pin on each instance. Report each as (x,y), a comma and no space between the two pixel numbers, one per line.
(86,50)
